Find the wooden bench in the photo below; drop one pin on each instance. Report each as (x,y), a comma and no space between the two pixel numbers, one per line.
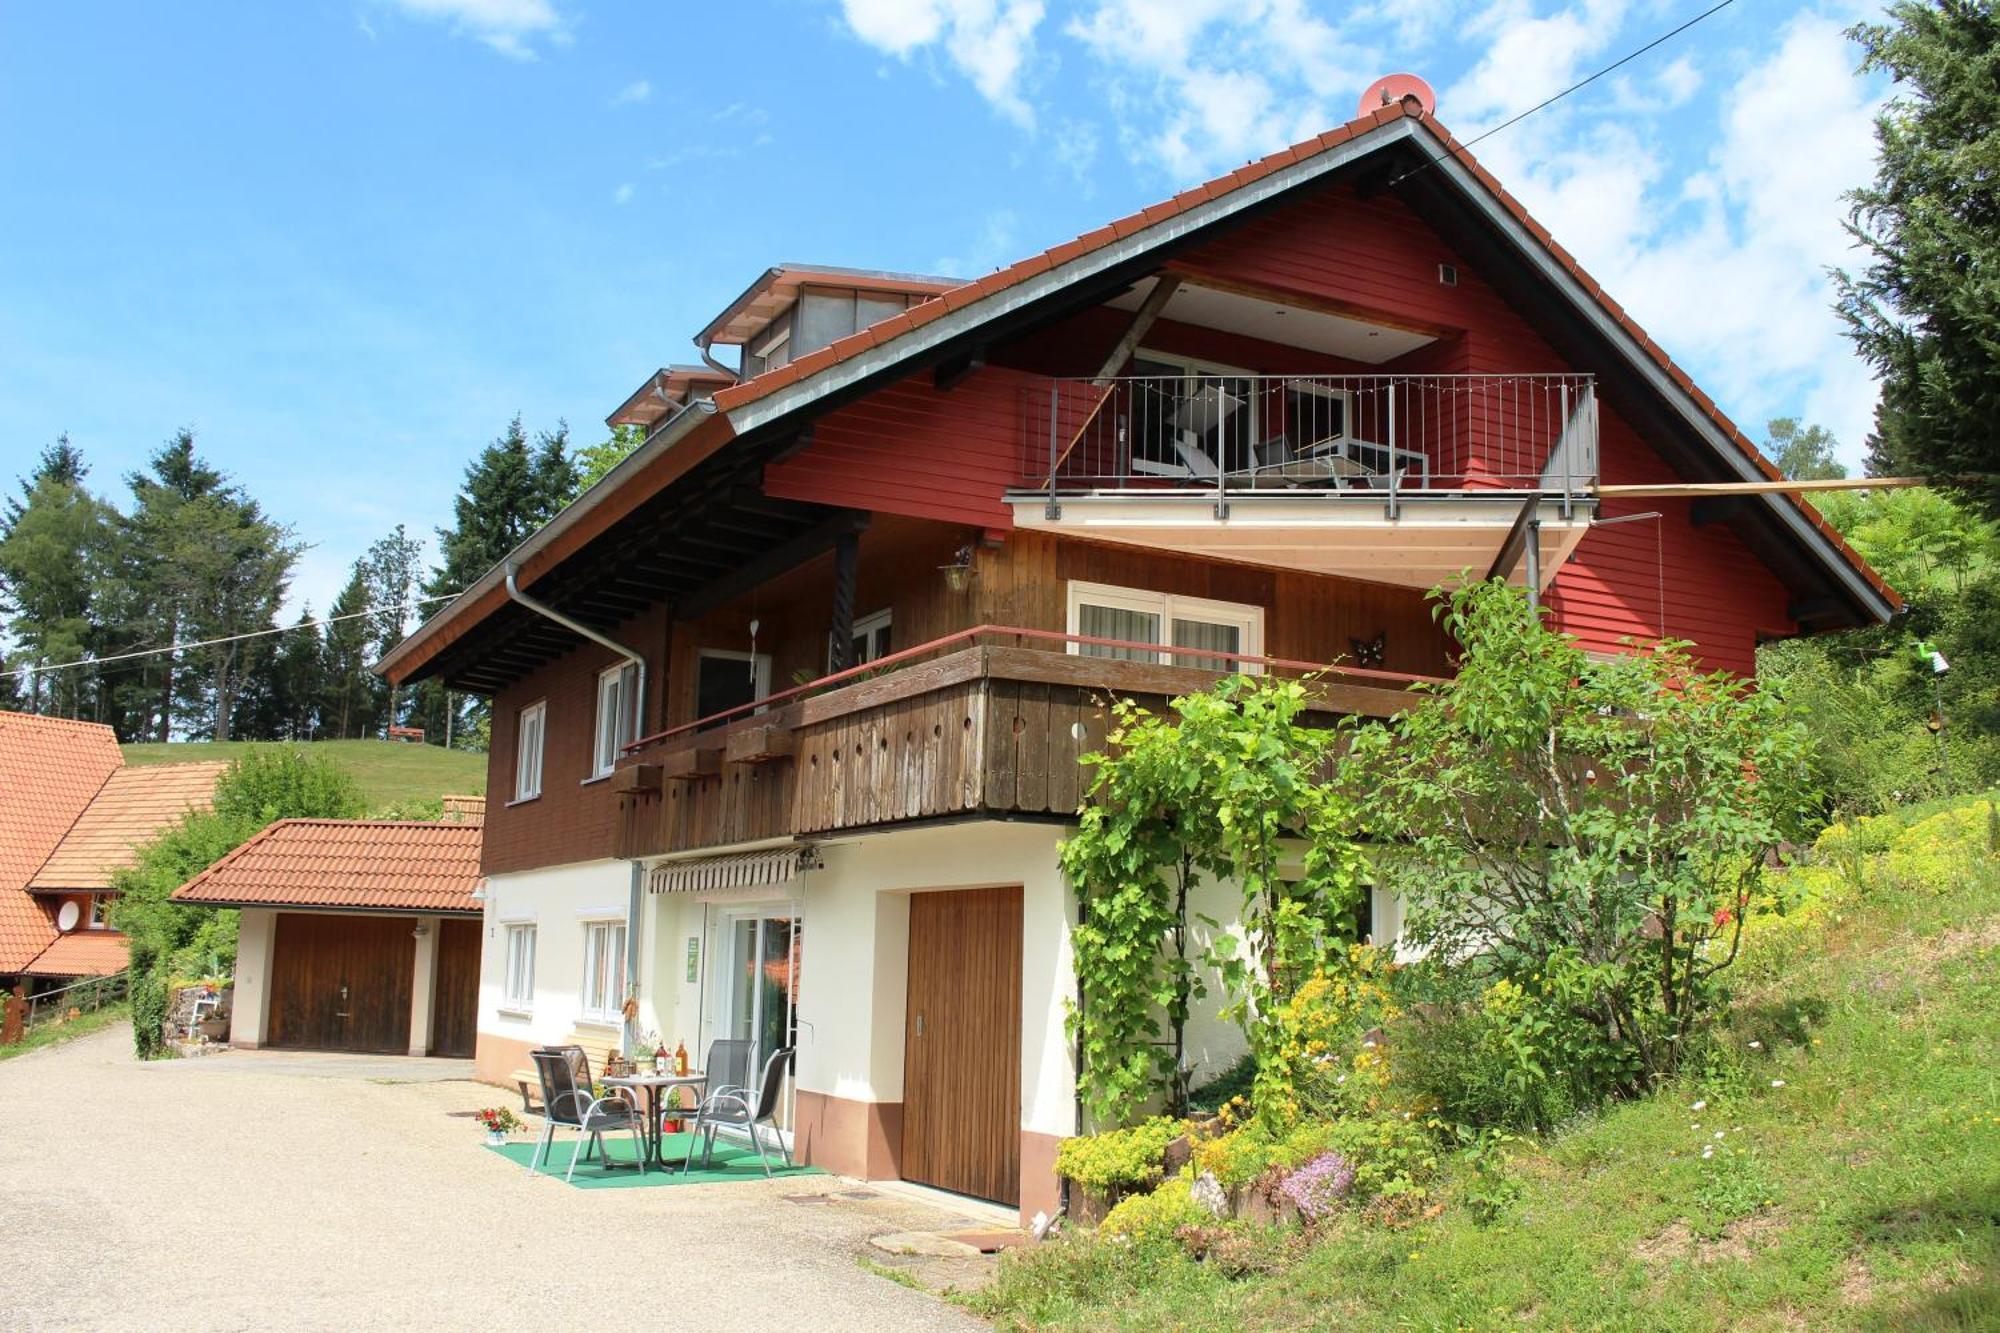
(530,1084)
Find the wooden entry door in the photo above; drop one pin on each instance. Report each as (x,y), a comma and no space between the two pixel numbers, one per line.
(342,983)
(962,1044)
(455,996)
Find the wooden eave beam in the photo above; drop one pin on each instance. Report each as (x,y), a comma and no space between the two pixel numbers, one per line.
(775,561)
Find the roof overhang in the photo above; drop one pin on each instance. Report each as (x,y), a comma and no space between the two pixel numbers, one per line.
(778,286)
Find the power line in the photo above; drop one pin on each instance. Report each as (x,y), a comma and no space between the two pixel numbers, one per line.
(23,672)
(1582,83)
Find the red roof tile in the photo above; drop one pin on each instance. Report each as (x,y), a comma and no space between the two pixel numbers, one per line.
(375,864)
(132,806)
(50,768)
(83,953)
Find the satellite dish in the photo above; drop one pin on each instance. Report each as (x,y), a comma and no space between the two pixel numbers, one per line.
(67,917)
(1393,88)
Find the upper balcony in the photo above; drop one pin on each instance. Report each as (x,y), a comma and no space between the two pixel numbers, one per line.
(1393,478)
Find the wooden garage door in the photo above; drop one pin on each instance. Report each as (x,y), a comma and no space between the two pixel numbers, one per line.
(342,983)
(455,998)
(962,1044)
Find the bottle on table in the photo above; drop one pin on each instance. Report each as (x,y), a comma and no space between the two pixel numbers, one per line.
(681,1058)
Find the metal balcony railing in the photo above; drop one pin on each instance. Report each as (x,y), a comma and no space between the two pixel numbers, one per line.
(1205,432)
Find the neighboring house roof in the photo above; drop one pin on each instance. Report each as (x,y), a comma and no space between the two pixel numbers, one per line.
(82,953)
(133,805)
(960,312)
(365,864)
(664,393)
(50,768)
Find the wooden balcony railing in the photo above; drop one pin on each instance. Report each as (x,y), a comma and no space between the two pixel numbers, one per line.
(976,722)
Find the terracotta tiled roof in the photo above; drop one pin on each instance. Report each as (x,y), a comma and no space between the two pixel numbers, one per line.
(133,805)
(49,769)
(359,863)
(82,953)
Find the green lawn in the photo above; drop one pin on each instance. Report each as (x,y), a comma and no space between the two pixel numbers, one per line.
(55,1033)
(389,772)
(1854,1182)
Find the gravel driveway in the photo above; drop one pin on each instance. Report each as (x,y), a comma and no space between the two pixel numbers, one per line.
(253,1190)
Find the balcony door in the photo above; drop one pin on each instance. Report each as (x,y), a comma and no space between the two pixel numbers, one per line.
(1189,418)
(726,679)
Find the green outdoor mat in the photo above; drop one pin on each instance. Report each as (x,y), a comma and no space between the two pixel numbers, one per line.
(730,1163)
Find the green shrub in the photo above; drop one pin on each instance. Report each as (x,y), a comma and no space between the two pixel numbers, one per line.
(1121,1157)
(1393,1153)
(1157,1216)
(1226,1087)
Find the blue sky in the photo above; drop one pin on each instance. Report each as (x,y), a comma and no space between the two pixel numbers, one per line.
(346,240)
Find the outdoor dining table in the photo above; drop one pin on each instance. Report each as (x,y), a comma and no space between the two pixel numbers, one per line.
(653,1085)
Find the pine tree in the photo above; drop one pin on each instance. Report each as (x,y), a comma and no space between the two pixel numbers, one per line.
(298,680)
(354,697)
(208,565)
(55,543)
(390,569)
(1924,311)
(509,491)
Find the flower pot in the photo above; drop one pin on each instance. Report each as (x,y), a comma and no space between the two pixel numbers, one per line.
(496,1138)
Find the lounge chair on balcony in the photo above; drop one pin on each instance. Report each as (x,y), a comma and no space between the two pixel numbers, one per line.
(739,1109)
(564,1073)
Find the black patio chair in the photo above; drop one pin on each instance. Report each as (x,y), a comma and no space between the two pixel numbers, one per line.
(737,1109)
(564,1073)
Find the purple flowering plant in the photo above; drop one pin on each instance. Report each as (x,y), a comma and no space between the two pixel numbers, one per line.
(1317,1188)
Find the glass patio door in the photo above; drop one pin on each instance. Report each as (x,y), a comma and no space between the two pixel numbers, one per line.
(763,948)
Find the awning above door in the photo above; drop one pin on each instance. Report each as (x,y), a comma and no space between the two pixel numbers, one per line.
(774,868)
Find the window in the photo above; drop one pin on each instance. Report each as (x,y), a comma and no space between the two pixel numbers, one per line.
(725,680)
(871,640)
(1137,617)
(100,913)
(617,715)
(604,971)
(528,752)
(1316,415)
(520,991)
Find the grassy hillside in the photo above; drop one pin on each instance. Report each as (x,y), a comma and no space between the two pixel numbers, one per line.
(389,772)
(1836,1164)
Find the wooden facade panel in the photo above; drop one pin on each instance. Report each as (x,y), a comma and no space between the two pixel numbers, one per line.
(455,989)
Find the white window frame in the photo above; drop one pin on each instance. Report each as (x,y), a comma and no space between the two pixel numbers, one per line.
(865,628)
(518,985)
(99,916)
(599,935)
(609,736)
(528,786)
(1345,399)
(1247,618)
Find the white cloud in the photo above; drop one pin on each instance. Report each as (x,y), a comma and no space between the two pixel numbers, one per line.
(511,27)
(623,194)
(636,91)
(1725,264)
(987,41)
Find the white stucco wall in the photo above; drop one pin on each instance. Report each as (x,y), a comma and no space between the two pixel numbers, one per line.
(558,901)
(249,1019)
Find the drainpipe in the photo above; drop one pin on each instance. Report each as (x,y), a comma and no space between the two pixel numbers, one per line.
(715,365)
(632,951)
(639,715)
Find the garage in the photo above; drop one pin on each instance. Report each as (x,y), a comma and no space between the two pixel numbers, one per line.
(341,983)
(354,935)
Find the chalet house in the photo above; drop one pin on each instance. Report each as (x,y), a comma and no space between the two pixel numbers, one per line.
(71,816)
(787,708)
(355,934)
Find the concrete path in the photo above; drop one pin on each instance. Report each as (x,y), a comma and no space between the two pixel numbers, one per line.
(262,1190)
